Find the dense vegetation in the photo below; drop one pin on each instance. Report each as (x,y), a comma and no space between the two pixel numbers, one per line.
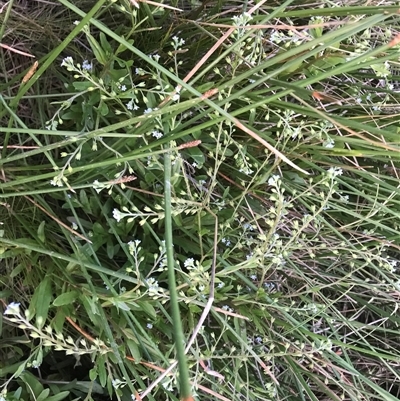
(199,199)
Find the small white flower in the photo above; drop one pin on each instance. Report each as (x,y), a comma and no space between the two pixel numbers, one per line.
(189,262)
(157,134)
(115,383)
(329,144)
(117,215)
(147,111)
(12,309)
(269,286)
(253,277)
(226,241)
(123,88)
(87,66)
(35,364)
(334,171)
(177,42)
(57,181)
(149,326)
(220,285)
(67,62)
(248,227)
(130,105)
(274,180)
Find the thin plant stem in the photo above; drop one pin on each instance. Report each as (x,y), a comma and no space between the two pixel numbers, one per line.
(176,316)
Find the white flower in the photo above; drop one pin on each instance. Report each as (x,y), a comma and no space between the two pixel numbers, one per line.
(149,326)
(123,88)
(253,277)
(189,262)
(147,111)
(117,215)
(177,42)
(269,285)
(12,309)
(56,181)
(334,171)
(67,62)
(225,241)
(329,144)
(274,180)
(248,226)
(36,364)
(157,134)
(130,105)
(115,383)
(87,66)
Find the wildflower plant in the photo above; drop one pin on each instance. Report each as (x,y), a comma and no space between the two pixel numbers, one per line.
(232,209)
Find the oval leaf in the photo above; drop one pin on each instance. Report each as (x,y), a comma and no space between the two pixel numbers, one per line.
(66,298)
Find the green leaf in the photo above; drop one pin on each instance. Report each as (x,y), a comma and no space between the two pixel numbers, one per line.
(58,321)
(105,44)
(194,308)
(93,374)
(110,249)
(84,200)
(101,369)
(17,393)
(87,386)
(134,350)
(82,86)
(120,304)
(103,109)
(17,270)
(43,395)
(121,48)
(197,155)
(32,382)
(97,50)
(91,308)
(40,302)
(40,232)
(148,308)
(66,298)
(58,397)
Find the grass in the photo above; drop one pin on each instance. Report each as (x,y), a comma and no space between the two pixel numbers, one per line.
(199,204)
